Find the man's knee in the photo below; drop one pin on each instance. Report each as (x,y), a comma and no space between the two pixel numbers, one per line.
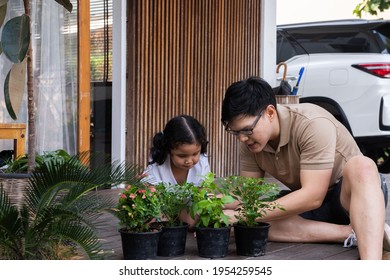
(360,168)
(360,175)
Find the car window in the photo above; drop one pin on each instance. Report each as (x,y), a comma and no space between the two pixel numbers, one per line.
(286,47)
(384,35)
(336,41)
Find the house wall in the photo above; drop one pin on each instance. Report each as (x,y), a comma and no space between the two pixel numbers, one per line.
(181,57)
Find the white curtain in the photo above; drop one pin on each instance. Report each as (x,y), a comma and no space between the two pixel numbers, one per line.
(15,8)
(54,42)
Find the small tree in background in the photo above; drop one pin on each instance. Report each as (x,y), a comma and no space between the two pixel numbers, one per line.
(371,6)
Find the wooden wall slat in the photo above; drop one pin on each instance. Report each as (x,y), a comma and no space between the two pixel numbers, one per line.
(182,55)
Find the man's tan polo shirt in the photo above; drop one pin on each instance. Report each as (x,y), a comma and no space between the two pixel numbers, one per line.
(310,139)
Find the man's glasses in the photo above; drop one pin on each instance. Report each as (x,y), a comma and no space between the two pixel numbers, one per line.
(248,131)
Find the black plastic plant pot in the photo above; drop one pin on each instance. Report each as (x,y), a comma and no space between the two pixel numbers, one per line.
(251,241)
(213,242)
(172,241)
(139,245)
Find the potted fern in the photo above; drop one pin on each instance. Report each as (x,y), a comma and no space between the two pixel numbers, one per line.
(213,225)
(255,197)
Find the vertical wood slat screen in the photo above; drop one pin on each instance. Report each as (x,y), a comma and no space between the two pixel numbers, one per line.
(182,56)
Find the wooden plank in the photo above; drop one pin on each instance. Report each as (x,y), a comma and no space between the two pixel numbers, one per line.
(182,55)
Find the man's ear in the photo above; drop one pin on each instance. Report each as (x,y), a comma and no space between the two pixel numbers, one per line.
(270,112)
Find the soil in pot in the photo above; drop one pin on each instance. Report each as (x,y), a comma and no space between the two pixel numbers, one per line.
(213,242)
(251,241)
(172,240)
(140,245)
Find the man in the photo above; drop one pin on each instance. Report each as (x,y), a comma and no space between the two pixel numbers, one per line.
(337,194)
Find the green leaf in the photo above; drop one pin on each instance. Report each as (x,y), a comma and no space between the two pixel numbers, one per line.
(203,203)
(16,38)
(3,11)
(14,88)
(225,219)
(7,98)
(205,220)
(66,3)
(227,199)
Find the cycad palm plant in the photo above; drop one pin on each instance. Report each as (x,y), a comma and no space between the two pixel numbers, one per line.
(59,207)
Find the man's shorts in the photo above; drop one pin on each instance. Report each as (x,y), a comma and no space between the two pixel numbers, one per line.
(331,210)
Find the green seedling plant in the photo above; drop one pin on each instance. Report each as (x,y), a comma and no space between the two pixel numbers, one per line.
(173,199)
(255,195)
(208,203)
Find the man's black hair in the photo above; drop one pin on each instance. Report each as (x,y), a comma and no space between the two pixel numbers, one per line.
(247,97)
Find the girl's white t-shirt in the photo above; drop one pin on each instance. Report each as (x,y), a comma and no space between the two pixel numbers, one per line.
(156,173)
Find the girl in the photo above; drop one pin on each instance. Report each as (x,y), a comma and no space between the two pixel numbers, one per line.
(178,154)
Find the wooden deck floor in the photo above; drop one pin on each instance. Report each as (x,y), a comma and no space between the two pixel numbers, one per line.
(111,245)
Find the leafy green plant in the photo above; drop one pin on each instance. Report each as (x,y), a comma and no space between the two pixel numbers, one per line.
(255,197)
(20,165)
(173,198)
(208,201)
(138,205)
(371,6)
(59,208)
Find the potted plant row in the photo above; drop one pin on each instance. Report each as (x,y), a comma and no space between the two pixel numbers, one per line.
(150,225)
(149,219)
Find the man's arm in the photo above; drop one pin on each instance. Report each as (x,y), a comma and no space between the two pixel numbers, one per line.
(314,188)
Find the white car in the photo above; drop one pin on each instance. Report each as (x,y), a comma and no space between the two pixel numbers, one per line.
(346,71)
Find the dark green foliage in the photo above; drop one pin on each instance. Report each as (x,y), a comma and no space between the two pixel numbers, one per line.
(20,165)
(173,199)
(15,38)
(60,207)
